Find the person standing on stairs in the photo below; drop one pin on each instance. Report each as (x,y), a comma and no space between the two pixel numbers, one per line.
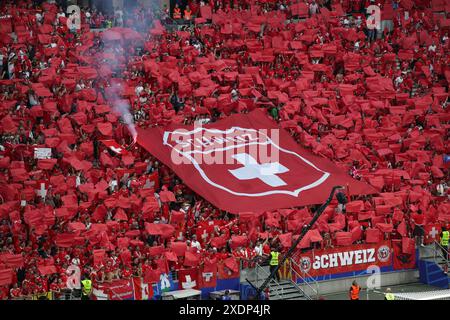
(274,260)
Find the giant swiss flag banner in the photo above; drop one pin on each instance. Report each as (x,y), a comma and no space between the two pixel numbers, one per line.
(246,163)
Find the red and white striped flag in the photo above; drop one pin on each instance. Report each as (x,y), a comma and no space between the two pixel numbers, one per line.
(142,291)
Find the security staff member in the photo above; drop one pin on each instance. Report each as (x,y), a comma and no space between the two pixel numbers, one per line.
(86,290)
(187,14)
(388,295)
(176,12)
(274,256)
(444,244)
(354,291)
(444,241)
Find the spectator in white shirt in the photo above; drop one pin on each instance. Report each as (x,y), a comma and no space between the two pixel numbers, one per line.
(441,188)
(33,99)
(76,261)
(198,46)
(119,18)
(60,13)
(39,17)
(88,16)
(406,15)
(313,8)
(398,80)
(113,185)
(444,38)
(78,180)
(234,95)
(259,248)
(139,89)
(195,243)
(432,48)
(346,23)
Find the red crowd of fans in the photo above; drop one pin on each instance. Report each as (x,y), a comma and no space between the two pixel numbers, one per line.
(376,106)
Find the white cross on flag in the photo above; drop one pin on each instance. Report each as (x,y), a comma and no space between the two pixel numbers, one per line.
(42,188)
(266,172)
(205,235)
(207,276)
(247,163)
(205,231)
(188,278)
(114,146)
(432,233)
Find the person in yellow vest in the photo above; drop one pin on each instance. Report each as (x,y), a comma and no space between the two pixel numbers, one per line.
(187,14)
(177,12)
(354,291)
(444,244)
(274,260)
(86,290)
(389,295)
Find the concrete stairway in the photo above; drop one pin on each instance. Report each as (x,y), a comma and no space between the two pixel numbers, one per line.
(283,290)
(286,290)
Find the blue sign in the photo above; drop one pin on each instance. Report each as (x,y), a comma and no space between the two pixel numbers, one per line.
(446,158)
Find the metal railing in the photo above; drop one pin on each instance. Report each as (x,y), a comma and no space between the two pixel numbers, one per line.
(277,288)
(174,275)
(305,295)
(306,281)
(67,294)
(438,253)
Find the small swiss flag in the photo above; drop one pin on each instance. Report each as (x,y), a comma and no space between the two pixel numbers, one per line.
(432,233)
(114,146)
(188,278)
(151,181)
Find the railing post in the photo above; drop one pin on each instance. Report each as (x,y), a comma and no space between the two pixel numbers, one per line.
(317,288)
(306,283)
(257,278)
(434,251)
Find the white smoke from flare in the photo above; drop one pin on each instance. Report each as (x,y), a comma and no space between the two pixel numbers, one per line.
(123,108)
(114,93)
